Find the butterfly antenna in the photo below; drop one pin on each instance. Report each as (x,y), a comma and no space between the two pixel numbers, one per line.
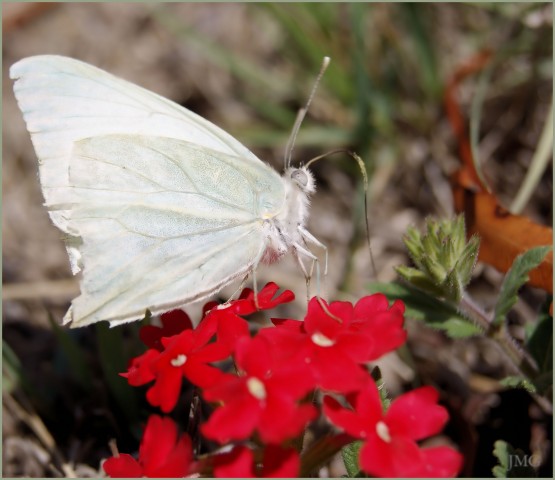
(362,167)
(302,114)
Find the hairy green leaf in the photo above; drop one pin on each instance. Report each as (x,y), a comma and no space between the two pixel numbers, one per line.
(513,463)
(350,455)
(516,277)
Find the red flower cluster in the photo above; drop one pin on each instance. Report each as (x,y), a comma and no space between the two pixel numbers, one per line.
(269,397)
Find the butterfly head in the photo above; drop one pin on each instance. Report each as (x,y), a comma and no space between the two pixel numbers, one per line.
(302,178)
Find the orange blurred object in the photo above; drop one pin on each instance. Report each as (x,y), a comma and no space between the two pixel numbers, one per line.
(503,236)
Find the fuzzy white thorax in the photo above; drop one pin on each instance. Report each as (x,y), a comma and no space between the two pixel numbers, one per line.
(283,229)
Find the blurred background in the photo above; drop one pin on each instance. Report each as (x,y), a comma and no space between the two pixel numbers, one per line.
(249,68)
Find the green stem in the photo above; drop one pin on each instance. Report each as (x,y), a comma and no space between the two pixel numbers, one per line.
(518,361)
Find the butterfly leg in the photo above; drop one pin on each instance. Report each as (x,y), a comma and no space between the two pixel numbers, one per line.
(239,289)
(307,275)
(311,238)
(299,249)
(306,235)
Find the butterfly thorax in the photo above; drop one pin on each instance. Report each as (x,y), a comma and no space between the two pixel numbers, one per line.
(283,228)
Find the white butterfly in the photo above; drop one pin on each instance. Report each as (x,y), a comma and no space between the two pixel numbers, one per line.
(161,207)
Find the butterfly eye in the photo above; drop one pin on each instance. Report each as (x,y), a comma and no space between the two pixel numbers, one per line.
(300,177)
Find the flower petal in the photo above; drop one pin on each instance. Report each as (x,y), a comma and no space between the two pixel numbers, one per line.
(122,466)
(159,438)
(253,356)
(346,419)
(294,380)
(178,463)
(292,419)
(416,414)
(370,305)
(235,464)
(317,320)
(233,421)
(140,370)
(173,323)
(280,462)
(231,327)
(399,458)
(227,389)
(336,372)
(165,391)
(200,374)
(441,462)
(367,403)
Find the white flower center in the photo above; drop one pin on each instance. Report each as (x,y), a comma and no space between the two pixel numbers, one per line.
(256,388)
(321,340)
(179,360)
(383,431)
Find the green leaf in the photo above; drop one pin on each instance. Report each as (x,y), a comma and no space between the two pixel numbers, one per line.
(74,353)
(514,381)
(419,279)
(434,313)
(350,455)
(513,463)
(467,261)
(417,28)
(543,383)
(113,361)
(414,245)
(454,288)
(539,339)
(500,451)
(516,277)
(13,374)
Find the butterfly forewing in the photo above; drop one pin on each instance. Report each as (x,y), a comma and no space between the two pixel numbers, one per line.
(64,100)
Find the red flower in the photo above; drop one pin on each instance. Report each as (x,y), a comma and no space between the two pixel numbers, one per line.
(185,355)
(140,370)
(162,454)
(277,462)
(263,398)
(173,323)
(390,448)
(230,325)
(335,348)
(246,304)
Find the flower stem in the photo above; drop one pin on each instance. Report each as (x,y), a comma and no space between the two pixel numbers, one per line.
(517,361)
